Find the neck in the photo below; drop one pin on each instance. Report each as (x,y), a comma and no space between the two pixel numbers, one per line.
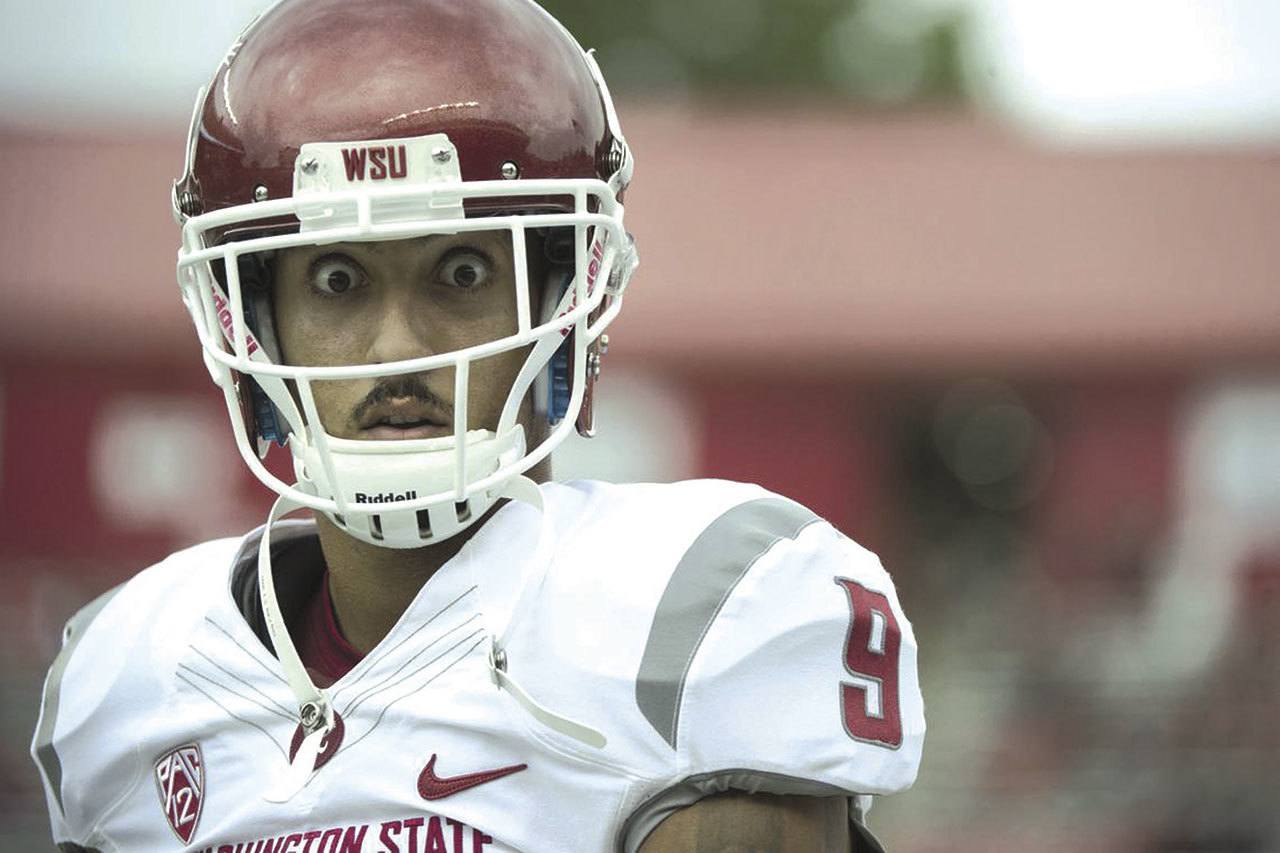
(372,586)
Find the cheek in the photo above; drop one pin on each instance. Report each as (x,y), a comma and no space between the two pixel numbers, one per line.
(312,341)
(488,316)
(335,402)
(489,384)
(307,343)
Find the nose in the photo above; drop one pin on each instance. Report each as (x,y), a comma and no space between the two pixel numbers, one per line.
(403,331)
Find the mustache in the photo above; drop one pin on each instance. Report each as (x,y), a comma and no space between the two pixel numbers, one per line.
(409,386)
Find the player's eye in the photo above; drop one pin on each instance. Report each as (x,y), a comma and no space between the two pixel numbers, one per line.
(465,270)
(334,275)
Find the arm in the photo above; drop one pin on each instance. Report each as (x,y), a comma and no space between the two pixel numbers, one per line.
(755,823)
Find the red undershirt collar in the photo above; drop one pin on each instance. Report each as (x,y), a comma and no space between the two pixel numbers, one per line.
(324,651)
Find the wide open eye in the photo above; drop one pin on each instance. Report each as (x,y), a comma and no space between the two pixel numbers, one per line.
(465,270)
(334,275)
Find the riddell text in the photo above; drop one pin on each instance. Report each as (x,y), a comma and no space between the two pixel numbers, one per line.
(416,835)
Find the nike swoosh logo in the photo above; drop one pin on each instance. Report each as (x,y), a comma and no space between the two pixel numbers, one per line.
(432,787)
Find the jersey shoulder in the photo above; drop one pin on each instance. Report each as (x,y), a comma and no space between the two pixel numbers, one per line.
(799,670)
(721,628)
(115,650)
(624,549)
(658,518)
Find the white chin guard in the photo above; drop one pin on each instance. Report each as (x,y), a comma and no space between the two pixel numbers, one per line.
(404,494)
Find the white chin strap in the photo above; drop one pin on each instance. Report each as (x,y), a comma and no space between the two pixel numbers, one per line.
(315,709)
(315,712)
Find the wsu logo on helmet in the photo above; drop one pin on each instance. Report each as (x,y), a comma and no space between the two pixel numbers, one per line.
(180,783)
(383,161)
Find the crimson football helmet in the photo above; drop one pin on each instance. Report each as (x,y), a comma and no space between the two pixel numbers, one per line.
(330,121)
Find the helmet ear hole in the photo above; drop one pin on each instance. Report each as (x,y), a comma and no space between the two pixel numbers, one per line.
(262,419)
(557,245)
(553,387)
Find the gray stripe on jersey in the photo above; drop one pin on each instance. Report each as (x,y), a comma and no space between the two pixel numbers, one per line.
(45,754)
(703,580)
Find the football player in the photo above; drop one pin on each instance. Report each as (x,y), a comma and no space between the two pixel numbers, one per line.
(402,241)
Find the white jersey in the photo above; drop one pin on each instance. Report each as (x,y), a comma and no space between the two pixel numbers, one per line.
(716,635)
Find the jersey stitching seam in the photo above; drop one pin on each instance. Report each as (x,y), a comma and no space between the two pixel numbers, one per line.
(229,713)
(237,694)
(363,669)
(265,666)
(389,681)
(283,711)
(419,688)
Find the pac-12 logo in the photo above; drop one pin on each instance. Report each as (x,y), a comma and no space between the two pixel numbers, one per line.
(180,783)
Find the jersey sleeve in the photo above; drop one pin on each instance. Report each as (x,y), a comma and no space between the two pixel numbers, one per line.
(48,747)
(94,739)
(780,661)
(64,747)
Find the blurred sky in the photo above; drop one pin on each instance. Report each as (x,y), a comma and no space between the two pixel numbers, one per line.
(1115,70)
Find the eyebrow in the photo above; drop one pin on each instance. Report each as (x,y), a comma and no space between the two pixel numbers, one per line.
(375,246)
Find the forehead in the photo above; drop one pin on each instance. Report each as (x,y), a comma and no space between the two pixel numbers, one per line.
(494,241)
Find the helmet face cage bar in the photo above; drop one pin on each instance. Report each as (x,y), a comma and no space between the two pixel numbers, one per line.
(479,462)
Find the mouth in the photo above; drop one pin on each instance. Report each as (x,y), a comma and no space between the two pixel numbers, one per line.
(404,419)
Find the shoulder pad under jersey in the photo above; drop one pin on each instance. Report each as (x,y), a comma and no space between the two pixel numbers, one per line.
(121,646)
(710,626)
